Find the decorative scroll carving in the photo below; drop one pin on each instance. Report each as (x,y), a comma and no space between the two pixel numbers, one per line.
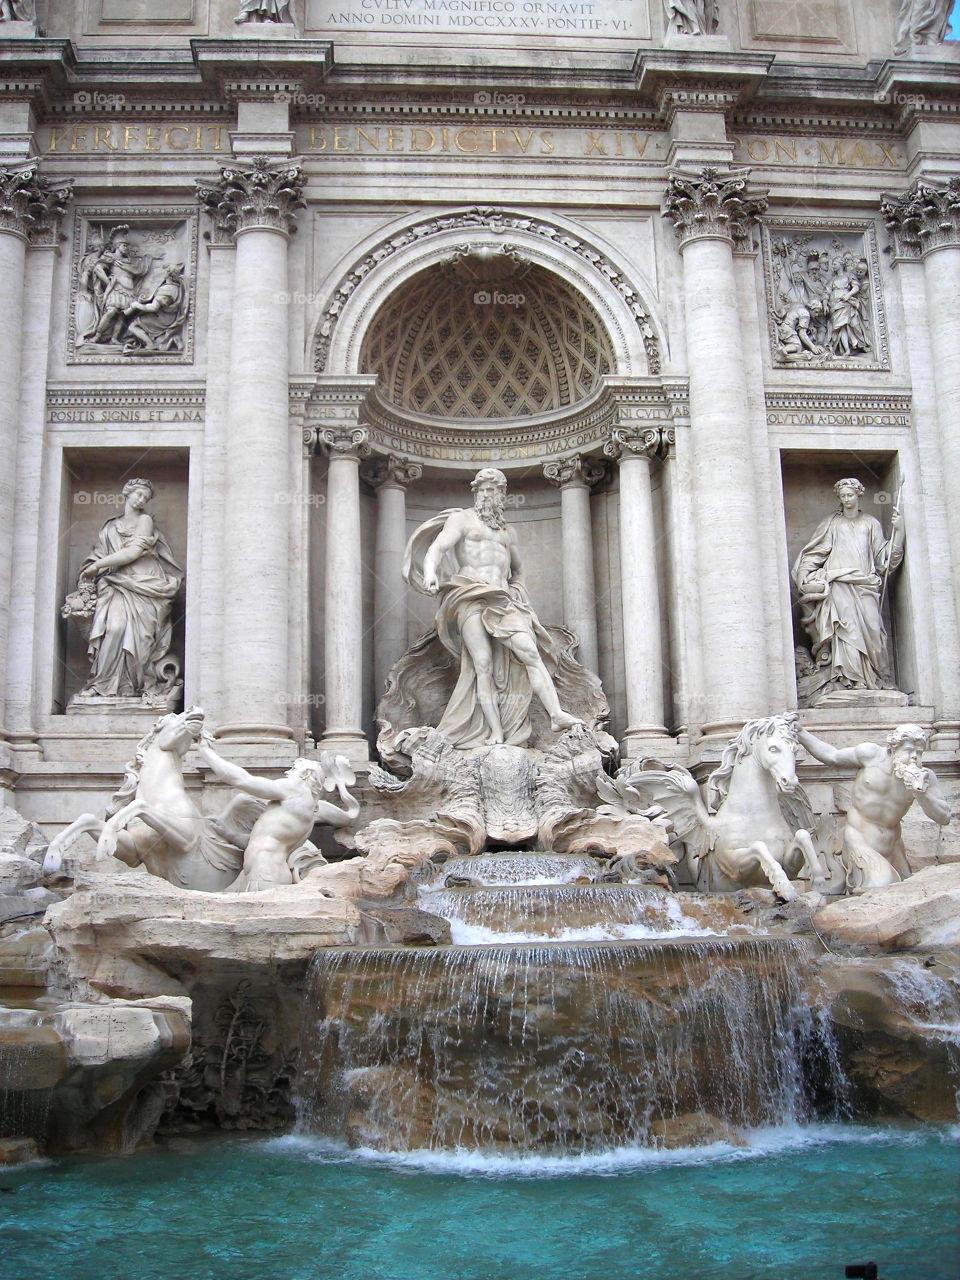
(714,203)
(263,195)
(924,218)
(823,294)
(31,205)
(500,222)
(575,470)
(344,441)
(638,440)
(389,470)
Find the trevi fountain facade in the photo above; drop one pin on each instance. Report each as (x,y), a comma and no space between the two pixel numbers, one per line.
(479,580)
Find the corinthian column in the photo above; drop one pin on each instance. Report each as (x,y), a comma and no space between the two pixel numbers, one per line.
(256,206)
(30,212)
(574,478)
(642,650)
(389,476)
(925,225)
(343,592)
(711,211)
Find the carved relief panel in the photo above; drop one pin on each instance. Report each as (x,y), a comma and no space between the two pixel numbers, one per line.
(824,302)
(132,286)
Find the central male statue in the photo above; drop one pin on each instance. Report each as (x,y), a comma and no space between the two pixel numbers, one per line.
(470,558)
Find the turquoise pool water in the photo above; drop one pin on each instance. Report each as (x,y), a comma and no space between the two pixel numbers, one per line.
(798,1205)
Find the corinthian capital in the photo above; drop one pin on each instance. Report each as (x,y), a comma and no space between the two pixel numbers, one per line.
(924,218)
(712,203)
(31,205)
(260,195)
(341,440)
(576,470)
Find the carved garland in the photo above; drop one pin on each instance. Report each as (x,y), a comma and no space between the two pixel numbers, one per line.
(500,222)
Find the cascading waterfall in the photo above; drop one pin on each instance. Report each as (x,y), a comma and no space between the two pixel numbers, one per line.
(562,1048)
(522,912)
(24,1111)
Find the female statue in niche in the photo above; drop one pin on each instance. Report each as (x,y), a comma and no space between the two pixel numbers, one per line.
(123,602)
(840,575)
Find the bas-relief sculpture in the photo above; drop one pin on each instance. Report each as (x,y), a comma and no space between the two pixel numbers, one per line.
(133,303)
(841,576)
(922,22)
(259,840)
(821,304)
(123,604)
(888,780)
(692,17)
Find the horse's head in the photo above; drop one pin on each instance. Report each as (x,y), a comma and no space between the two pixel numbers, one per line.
(178,731)
(771,742)
(775,748)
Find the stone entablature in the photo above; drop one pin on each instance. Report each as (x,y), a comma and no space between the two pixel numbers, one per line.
(828,410)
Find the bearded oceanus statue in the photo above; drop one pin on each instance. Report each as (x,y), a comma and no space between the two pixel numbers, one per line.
(469,559)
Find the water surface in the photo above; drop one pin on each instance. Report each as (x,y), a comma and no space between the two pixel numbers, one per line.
(798,1205)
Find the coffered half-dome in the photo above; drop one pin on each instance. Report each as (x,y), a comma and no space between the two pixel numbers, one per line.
(486,338)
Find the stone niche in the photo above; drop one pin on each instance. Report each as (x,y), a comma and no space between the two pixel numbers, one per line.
(824,301)
(93,481)
(120,17)
(822,26)
(146,256)
(808,499)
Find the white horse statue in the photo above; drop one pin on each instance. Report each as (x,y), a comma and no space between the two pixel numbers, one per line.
(153,822)
(755,829)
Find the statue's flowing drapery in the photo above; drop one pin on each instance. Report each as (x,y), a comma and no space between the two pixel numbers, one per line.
(131,629)
(848,557)
(504,611)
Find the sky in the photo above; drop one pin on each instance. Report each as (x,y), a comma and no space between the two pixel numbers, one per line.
(955,21)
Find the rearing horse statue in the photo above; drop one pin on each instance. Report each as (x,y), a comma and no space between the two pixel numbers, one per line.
(755,829)
(154,822)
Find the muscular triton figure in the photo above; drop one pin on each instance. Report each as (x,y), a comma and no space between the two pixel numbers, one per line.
(470,559)
(890,778)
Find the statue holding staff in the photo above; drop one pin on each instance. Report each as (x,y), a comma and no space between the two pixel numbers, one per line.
(839,575)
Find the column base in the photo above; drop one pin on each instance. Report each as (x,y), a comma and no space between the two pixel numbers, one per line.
(344,743)
(648,740)
(254,731)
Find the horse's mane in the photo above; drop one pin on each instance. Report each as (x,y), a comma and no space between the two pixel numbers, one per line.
(131,770)
(718,784)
